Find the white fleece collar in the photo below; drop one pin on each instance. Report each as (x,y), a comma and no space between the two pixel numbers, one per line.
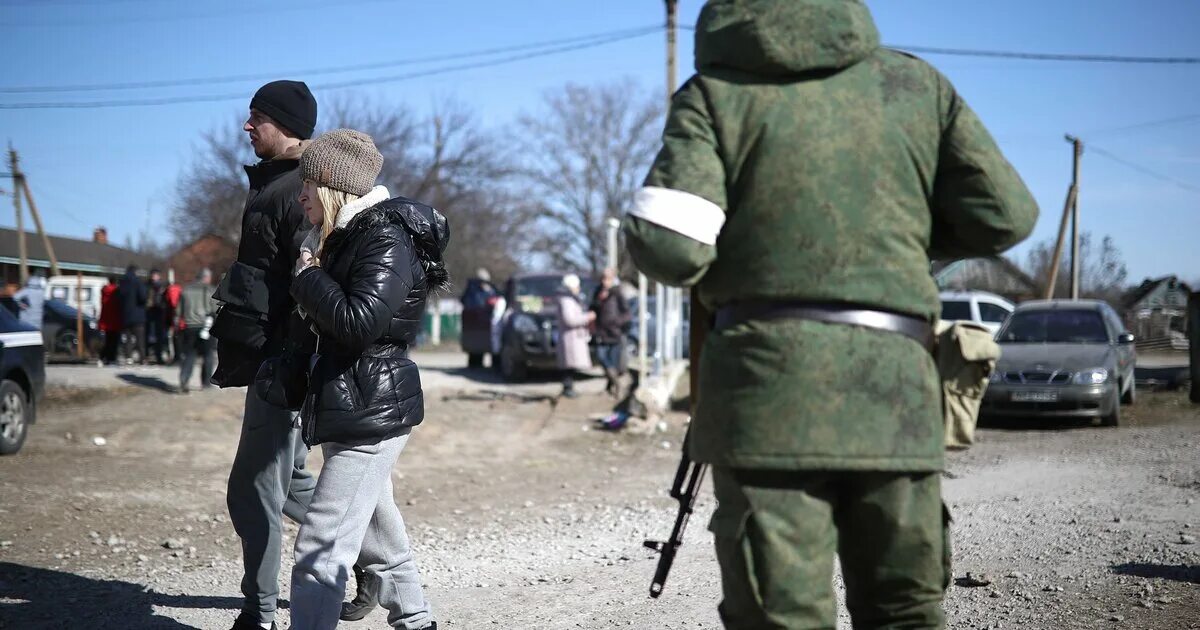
(349,211)
(377,195)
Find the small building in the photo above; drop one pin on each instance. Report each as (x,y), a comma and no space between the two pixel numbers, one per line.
(209,251)
(1156,313)
(95,257)
(995,274)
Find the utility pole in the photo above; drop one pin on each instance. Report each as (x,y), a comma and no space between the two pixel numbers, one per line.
(16,193)
(37,220)
(1070,214)
(1077,145)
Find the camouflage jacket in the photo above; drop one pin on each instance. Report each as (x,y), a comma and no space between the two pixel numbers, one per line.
(805,162)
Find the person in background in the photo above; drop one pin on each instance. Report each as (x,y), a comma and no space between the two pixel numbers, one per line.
(573,322)
(171,297)
(110,321)
(156,316)
(132,295)
(196,310)
(612,318)
(30,300)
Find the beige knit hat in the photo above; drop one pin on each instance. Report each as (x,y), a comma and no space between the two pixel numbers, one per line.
(342,159)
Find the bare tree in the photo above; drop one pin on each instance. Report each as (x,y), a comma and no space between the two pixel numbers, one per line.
(585,154)
(444,159)
(211,193)
(1102,271)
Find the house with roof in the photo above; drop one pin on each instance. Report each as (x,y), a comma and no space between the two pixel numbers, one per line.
(95,257)
(995,274)
(1156,312)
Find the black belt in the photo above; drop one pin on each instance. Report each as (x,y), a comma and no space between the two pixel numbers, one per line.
(913,327)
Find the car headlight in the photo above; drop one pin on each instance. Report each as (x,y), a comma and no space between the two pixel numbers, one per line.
(1094,376)
(92,325)
(996,376)
(525,325)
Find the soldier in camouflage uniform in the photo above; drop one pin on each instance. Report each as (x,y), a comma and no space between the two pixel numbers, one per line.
(803,163)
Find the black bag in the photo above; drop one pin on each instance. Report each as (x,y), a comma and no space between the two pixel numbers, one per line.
(283,380)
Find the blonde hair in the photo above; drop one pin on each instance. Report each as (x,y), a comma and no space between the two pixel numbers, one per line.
(331,201)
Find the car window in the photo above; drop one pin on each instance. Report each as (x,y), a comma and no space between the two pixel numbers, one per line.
(58,293)
(1055,326)
(956,309)
(992,313)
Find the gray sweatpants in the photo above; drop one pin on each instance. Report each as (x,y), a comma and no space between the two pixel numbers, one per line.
(268,480)
(353,508)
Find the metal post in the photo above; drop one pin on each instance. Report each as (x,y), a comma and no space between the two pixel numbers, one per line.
(1070,214)
(643,313)
(613,226)
(1193,327)
(660,303)
(79,314)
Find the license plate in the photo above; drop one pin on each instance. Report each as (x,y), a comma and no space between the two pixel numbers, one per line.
(1035,396)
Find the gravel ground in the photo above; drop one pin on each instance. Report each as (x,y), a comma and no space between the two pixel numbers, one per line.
(523,517)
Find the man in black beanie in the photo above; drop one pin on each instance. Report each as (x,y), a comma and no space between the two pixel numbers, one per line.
(268,479)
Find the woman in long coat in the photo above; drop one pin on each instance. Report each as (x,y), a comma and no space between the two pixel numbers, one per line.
(573,322)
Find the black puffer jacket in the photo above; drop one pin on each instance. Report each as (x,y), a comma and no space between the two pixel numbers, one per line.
(251,324)
(365,302)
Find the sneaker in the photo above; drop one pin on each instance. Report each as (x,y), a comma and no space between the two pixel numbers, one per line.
(246,622)
(367,597)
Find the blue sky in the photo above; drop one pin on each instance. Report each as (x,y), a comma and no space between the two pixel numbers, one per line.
(118,167)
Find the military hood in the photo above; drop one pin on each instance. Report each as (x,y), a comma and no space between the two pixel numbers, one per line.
(779,38)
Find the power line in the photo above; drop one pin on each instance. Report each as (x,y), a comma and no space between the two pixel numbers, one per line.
(962,52)
(232,11)
(1143,170)
(96,87)
(1007,54)
(1147,125)
(329,86)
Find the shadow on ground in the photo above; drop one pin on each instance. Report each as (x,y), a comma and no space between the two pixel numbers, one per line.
(149,382)
(34,598)
(1173,572)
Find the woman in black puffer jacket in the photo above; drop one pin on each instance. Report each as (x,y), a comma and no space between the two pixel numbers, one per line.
(364,275)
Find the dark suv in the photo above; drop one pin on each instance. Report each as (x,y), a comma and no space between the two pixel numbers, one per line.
(529,334)
(22,379)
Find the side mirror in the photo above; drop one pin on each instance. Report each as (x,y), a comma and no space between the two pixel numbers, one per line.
(1125,338)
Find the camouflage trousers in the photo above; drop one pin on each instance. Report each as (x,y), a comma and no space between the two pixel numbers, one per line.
(777,533)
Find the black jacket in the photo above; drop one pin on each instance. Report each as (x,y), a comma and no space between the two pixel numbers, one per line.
(612,316)
(132,293)
(366,302)
(251,323)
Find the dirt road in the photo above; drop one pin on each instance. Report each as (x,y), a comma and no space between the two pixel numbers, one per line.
(523,519)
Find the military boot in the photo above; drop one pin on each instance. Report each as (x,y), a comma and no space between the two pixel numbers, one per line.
(367,597)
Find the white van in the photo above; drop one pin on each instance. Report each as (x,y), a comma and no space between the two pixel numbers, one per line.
(67,289)
(988,309)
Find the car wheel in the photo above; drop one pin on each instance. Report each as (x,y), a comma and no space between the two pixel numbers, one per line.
(15,414)
(475,360)
(512,367)
(1130,397)
(65,343)
(1114,417)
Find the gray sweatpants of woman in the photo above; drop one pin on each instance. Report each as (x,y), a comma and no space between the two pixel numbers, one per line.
(353,508)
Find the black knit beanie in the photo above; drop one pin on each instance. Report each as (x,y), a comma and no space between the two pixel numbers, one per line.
(290,104)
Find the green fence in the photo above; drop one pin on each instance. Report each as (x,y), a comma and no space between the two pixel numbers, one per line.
(451,327)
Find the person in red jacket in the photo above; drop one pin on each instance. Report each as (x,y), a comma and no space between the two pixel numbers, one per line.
(171,297)
(110,321)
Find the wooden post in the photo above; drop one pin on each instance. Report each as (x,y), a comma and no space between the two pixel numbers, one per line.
(1193,327)
(1071,214)
(79,314)
(22,250)
(37,219)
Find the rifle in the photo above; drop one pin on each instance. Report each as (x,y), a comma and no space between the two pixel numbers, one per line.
(688,478)
(689,475)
